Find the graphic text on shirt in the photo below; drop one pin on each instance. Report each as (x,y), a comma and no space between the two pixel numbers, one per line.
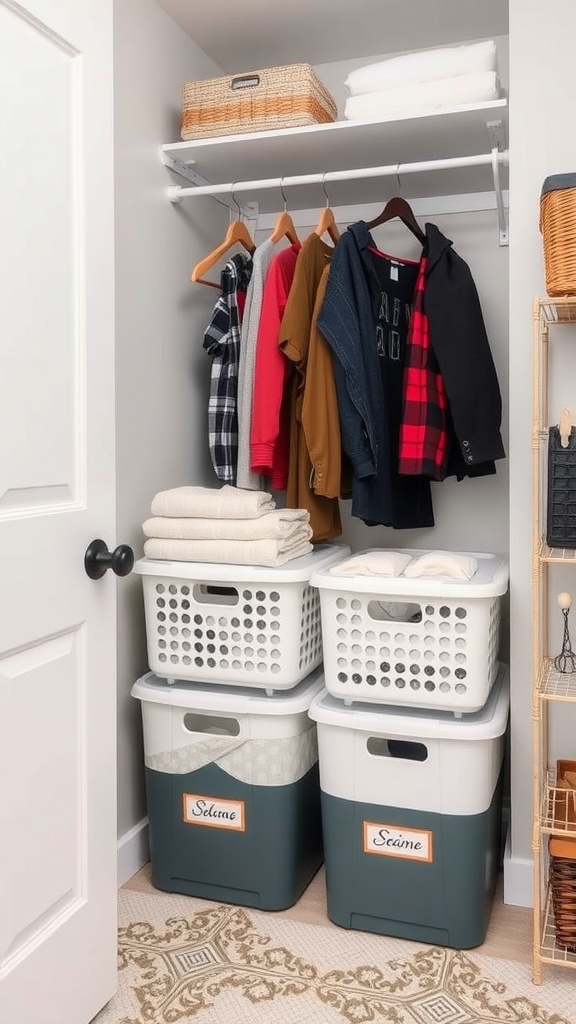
(387,338)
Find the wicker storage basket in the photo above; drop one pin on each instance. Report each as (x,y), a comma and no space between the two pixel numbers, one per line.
(561,496)
(284,97)
(563,856)
(563,888)
(558,227)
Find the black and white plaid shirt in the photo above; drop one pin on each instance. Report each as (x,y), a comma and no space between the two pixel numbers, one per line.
(222,342)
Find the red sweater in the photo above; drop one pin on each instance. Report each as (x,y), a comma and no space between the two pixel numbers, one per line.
(269,434)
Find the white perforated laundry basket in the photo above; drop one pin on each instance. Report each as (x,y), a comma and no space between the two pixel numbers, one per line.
(430,642)
(249,625)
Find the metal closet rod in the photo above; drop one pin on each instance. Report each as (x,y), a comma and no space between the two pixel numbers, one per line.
(495,158)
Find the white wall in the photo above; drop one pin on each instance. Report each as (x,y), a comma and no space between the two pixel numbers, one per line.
(542,142)
(162,371)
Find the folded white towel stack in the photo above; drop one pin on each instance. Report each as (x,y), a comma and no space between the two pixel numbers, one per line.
(423,82)
(423,98)
(225,525)
(225,502)
(232,552)
(280,524)
(423,66)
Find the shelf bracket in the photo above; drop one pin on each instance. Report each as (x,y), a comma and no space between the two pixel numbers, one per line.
(496,135)
(249,211)
(502,225)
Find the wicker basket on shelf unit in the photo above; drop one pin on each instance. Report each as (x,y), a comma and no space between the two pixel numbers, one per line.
(558,227)
(563,856)
(563,888)
(283,97)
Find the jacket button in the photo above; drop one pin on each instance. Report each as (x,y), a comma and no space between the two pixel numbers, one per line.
(465,444)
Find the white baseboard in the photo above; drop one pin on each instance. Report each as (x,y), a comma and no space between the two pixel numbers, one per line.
(133,851)
(518,880)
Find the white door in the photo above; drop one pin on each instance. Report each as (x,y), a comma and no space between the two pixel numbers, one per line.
(57,627)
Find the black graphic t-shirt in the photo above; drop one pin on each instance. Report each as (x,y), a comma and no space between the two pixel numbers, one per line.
(397,278)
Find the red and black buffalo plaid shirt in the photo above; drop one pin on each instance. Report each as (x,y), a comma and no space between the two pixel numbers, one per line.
(423,430)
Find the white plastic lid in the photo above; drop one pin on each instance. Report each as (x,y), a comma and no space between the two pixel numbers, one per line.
(489,580)
(296,571)
(233,699)
(382,720)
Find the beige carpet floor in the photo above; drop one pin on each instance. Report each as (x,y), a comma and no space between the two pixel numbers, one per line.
(183,959)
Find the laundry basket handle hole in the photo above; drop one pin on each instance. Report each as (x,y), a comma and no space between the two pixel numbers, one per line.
(211,593)
(214,725)
(404,750)
(394,611)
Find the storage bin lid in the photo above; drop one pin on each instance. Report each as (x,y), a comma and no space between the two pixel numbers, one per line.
(379,719)
(232,699)
(554,182)
(296,571)
(489,580)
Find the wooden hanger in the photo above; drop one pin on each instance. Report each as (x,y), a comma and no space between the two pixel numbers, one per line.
(284,227)
(399,207)
(327,222)
(237,233)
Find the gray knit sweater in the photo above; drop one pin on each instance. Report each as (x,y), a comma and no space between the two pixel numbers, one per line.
(249,335)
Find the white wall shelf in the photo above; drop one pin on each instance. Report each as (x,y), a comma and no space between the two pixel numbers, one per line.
(459,132)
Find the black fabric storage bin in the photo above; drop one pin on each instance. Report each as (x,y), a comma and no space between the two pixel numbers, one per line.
(561,512)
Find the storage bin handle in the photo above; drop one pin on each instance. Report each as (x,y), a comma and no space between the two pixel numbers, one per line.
(212,725)
(402,750)
(245,81)
(214,593)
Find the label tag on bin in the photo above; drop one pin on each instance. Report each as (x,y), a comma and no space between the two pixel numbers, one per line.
(214,812)
(391,841)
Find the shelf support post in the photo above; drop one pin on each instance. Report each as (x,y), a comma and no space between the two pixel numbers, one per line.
(502,225)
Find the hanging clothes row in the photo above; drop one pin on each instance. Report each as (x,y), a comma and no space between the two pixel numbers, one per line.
(341,371)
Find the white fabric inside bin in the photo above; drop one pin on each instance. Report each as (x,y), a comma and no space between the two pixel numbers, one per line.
(260,762)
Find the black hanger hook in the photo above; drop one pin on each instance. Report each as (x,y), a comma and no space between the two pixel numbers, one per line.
(398,179)
(235,201)
(324,189)
(282,193)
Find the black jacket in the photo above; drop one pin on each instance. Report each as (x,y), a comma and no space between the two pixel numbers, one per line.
(348,321)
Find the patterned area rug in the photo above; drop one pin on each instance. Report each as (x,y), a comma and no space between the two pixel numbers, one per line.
(183,959)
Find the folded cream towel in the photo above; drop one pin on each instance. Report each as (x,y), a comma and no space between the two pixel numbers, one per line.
(282,524)
(225,502)
(373,563)
(231,552)
(423,66)
(426,98)
(442,563)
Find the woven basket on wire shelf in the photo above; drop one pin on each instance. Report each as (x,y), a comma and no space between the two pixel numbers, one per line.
(562,852)
(563,887)
(283,97)
(558,227)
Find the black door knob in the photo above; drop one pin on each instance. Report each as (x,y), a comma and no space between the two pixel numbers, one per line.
(98,559)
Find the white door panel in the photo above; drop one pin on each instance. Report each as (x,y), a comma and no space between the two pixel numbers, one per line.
(57,627)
